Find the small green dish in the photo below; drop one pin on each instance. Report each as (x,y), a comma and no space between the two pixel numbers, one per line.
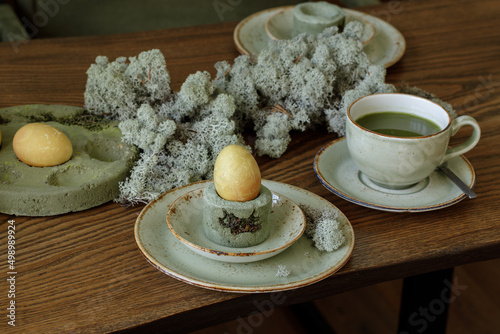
(184,218)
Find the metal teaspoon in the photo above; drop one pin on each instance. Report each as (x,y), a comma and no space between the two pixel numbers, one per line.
(455,179)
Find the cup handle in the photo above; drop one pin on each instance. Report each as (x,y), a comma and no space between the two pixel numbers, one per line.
(467,145)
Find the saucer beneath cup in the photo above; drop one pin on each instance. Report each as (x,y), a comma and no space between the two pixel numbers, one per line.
(339,174)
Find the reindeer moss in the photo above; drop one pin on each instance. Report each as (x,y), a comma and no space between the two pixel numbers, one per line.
(293,85)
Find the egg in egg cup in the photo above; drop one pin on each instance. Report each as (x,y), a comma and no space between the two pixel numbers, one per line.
(237,206)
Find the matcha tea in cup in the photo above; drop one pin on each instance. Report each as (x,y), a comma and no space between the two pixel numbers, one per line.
(397,140)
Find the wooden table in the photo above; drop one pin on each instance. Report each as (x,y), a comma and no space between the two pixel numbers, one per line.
(82,272)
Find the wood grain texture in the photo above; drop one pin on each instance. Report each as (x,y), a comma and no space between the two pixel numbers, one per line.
(82,272)
(375,308)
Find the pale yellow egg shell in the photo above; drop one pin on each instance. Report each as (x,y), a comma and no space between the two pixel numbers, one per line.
(41,145)
(236,174)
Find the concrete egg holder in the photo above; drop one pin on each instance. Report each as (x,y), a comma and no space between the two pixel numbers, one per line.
(90,178)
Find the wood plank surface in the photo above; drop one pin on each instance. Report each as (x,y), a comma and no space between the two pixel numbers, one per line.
(374,309)
(83,273)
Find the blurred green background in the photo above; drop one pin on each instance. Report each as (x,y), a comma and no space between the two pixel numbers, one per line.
(60,18)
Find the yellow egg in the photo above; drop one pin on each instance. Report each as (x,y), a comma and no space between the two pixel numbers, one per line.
(41,145)
(236,174)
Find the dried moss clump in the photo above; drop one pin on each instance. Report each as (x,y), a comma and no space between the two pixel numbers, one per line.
(180,133)
(117,89)
(240,225)
(83,118)
(323,228)
(301,84)
(298,84)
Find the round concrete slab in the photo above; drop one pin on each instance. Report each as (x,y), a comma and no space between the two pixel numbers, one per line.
(99,162)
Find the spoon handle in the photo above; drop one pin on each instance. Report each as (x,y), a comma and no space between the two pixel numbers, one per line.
(455,179)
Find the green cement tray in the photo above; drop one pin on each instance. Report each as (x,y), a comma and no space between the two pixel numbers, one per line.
(90,178)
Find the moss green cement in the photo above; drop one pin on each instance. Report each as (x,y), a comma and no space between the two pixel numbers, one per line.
(260,207)
(90,178)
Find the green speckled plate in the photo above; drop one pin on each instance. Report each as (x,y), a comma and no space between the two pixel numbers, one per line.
(280,25)
(339,174)
(99,162)
(385,48)
(185,215)
(306,264)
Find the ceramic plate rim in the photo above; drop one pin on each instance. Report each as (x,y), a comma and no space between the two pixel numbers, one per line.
(288,242)
(143,249)
(236,33)
(398,54)
(376,206)
(347,11)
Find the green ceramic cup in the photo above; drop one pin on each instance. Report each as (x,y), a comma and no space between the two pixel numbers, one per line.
(400,162)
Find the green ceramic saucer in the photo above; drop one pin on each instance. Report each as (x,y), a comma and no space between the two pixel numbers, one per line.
(185,216)
(305,263)
(339,174)
(385,48)
(280,25)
